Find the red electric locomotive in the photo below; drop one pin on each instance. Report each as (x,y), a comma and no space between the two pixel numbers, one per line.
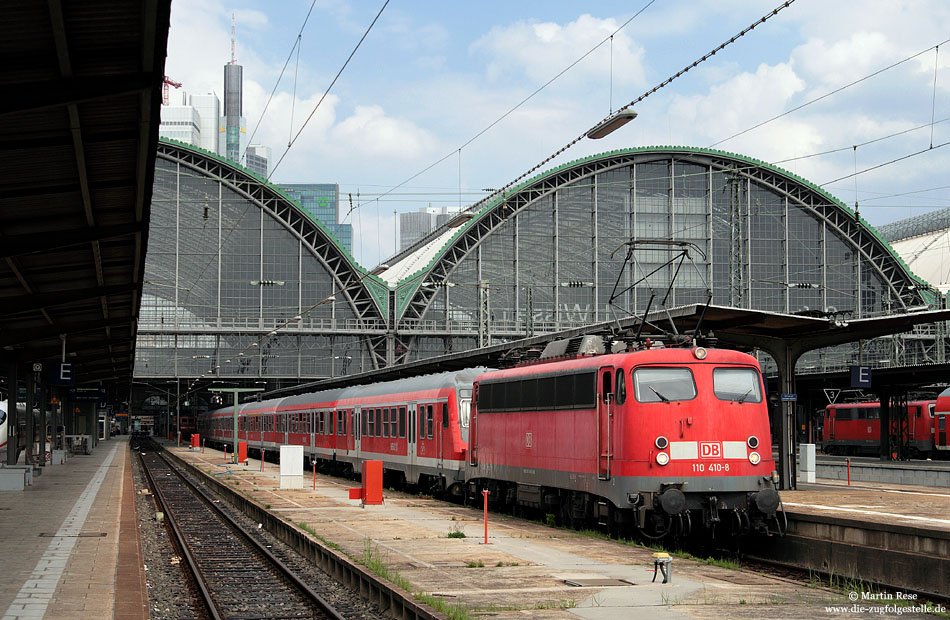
(855,428)
(651,438)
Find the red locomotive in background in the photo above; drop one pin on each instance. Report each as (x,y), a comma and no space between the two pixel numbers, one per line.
(652,439)
(855,428)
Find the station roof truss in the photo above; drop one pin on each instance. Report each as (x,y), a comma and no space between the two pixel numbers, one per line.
(78,130)
(415,292)
(219,324)
(364,291)
(734,327)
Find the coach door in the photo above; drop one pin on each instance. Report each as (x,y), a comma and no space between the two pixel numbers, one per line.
(605,404)
(357,431)
(940,437)
(412,443)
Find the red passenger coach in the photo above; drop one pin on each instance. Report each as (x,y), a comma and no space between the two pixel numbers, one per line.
(654,439)
(941,428)
(418,427)
(855,428)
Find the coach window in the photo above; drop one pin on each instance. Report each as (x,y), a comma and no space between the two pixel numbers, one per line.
(621,387)
(422,421)
(429,421)
(385,421)
(368,423)
(402,422)
(379,422)
(445,415)
(931,408)
(663,385)
(341,430)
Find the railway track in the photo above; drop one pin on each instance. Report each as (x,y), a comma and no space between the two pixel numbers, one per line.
(238,577)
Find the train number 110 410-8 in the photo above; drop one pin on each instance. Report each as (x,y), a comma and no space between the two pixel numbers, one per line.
(715,467)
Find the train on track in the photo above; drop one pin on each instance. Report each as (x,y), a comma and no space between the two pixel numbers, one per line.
(655,439)
(918,428)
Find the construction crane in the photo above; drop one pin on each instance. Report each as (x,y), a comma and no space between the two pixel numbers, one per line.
(167,81)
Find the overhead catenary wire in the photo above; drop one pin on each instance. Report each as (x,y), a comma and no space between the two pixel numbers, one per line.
(887,163)
(329,88)
(828,94)
(296,46)
(662,84)
(522,102)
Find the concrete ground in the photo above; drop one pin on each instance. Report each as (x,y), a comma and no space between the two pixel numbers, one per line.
(527,570)
(69,539)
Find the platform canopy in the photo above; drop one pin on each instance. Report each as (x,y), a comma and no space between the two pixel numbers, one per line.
(78,132)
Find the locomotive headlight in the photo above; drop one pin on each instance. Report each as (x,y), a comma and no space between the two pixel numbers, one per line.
(700,353)
(662,442)
(662,458)
(754,458)
(753,442)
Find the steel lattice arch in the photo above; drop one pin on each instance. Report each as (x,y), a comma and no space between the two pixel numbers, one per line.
(242,284)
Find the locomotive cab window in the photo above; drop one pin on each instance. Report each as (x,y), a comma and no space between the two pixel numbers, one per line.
(621,387)
(739,385)
(663,385)
(607,391)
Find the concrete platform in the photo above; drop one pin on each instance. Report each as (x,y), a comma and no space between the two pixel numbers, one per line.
(525,571)
(70,538)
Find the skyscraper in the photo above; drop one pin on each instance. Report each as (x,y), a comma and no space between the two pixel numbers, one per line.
(417,224)
(192,119)
(209,111)
(233,129)
(322,200)
(258,159)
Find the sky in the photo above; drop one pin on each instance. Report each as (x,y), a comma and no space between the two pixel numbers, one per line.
(431,76)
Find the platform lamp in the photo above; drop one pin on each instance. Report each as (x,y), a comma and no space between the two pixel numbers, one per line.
(611,124)
(234,392)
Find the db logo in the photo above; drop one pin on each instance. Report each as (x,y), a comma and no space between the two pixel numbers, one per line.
(710,450)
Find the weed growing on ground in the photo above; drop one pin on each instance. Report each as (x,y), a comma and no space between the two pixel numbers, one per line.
(456,532)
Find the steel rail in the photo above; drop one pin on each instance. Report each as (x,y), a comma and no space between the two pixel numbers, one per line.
(206,597)
(287,572)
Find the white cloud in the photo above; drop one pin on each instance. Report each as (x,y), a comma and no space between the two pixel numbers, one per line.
(739,102)
(541,50)
(370,132)
(845,60)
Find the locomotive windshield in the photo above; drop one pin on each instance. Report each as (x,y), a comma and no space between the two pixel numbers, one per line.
(737,384)
(656,385)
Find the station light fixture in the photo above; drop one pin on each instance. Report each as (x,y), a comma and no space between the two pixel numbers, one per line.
(611,124)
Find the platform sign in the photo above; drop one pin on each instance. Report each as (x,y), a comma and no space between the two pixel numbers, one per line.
(860,376)
(62,374)
(832,395)
(789,398)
